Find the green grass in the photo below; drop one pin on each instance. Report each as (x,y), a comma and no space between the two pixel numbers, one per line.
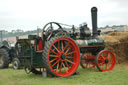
(118,76)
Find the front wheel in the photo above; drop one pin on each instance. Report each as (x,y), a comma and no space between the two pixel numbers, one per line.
(16,64)
(61,56)
(105,60)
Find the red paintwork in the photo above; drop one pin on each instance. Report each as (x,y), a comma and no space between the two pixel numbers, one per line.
(40,45)
(101,57)
(63,67)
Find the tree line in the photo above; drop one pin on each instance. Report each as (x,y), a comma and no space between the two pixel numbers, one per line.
(18,32)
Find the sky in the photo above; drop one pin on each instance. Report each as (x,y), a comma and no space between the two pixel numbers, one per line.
(28,14)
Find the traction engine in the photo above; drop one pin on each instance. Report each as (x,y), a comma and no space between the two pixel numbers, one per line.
(61,48)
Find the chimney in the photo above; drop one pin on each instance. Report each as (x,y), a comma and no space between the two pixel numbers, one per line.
(94,21)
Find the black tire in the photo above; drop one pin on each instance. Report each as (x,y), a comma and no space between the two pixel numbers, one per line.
(45,57)
(4,58)
(16,64)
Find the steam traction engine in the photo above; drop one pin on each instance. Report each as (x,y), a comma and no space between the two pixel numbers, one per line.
(60,47)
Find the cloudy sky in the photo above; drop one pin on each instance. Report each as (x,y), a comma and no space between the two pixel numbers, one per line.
(28,14)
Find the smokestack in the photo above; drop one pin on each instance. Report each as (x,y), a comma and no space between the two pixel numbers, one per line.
(94,21)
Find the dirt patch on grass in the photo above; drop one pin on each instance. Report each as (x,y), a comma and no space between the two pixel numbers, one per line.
(117,42)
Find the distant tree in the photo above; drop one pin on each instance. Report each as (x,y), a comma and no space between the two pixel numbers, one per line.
(19,32)
(107,26)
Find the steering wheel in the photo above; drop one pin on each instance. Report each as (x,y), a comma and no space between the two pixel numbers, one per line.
(49,28)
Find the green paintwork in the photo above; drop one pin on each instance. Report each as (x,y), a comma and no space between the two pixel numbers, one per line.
(90,42)
(29,53)
(83,43)
(37,59)
(32,37)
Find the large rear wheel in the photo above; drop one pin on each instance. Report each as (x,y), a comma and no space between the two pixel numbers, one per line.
(61,56)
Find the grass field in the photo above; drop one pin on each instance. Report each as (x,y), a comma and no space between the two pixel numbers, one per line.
(118,76)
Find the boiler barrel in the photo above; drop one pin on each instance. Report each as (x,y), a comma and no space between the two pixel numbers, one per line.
(89,43)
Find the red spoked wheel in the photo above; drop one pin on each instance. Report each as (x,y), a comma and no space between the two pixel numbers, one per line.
(105,60)
(87,61)
(63,57)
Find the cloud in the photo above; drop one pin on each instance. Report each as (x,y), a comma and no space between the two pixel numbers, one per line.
(120,3)
(28,14)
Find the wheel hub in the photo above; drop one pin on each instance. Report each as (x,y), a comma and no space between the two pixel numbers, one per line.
(63,56)
(106,61)
(15,65)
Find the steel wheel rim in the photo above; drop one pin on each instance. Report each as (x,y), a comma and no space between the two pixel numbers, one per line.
(106,60)
(61,62)
(1,61)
